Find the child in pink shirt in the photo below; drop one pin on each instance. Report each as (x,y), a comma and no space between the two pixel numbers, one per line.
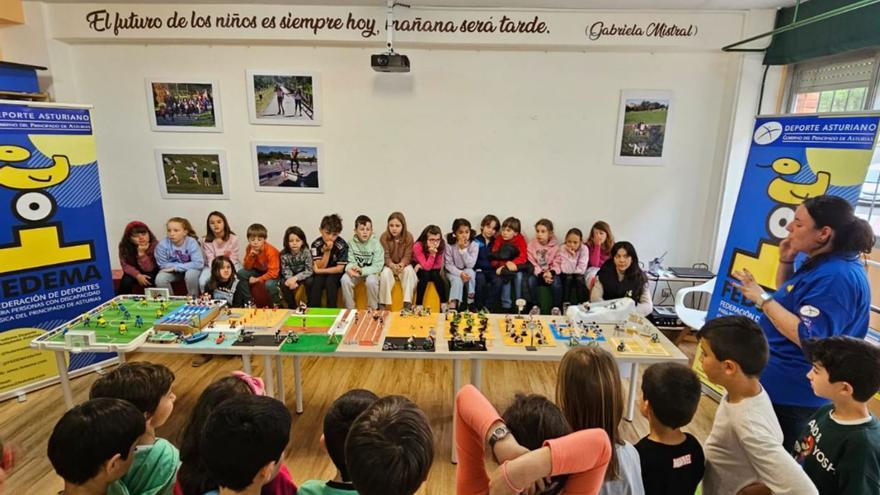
(599,245)
(574,258)
(583,455)
(428,256)
(543,254)
(219,241)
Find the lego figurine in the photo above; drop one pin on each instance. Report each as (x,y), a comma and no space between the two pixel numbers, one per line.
(86,320)
(292,337)
(278,336)
(220,338)
(655,338)
(101,322)
(123,328)
(621,346)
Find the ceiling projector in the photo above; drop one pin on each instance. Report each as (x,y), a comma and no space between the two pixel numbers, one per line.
(390,62)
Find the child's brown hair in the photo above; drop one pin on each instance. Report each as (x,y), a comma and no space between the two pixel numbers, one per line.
(513,224)
(257,230)
(190,231)
(332,223)
(390,448)
(396,215)
(140,382)
(609,237)
(589,392)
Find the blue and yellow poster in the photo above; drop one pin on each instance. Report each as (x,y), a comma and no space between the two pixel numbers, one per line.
(54,262)
(792,158)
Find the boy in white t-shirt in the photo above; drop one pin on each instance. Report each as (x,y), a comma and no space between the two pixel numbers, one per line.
(745,445)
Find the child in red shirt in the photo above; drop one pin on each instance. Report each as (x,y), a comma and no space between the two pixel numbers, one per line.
(509,258)
(261,267)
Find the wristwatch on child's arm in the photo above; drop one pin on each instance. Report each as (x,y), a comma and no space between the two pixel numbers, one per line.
(498,433)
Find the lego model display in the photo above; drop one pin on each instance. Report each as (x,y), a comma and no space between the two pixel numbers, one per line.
(467,331)
(637,336)
(121,321)
(312,320)
(580,333)
(366,327)
(315,329)
(525,331)
(249,318)
(251,338)
(189,318)
(412,330)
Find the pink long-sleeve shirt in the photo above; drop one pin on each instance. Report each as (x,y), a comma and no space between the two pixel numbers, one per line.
(583,454)
(597,257)
(217,247)
(544,257)
(576,262)
(429,261)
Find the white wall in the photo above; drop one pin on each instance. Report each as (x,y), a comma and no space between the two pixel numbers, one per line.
(522,133)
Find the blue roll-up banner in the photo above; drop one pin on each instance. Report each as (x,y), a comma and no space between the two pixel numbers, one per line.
(791,158)
(54,262)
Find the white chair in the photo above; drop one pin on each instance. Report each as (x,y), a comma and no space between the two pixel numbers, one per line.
(693,318)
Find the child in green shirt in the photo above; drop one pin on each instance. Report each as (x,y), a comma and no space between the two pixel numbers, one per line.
(92,446)
(337,422)
(840,448)
(148,387)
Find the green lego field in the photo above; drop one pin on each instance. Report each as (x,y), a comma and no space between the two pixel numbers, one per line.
(109,332)
(312,343)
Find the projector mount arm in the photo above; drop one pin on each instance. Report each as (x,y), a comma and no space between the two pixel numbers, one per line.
(389,27)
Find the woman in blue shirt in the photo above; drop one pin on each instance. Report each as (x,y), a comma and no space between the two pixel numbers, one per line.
(827,295)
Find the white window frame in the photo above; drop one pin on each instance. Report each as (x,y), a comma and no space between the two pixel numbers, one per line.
(872,98)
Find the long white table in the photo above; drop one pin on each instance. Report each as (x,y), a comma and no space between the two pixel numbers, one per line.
(274,380)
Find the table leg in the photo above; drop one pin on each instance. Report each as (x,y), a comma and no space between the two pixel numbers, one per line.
(456,385)
(279,378)
(246,364)
(631,400)
(297,379)
(65,379)
(476,373)
(268,379)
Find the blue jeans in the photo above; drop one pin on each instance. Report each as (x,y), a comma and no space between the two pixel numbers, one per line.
(457,286)
(501,287)
(793,421)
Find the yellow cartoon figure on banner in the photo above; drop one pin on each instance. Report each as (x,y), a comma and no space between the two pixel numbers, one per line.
(38,243)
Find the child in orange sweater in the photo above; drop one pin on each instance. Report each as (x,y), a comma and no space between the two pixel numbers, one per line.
(261,267)
(583,455)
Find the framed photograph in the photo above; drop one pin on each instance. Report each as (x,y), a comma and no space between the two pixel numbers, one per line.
(288,167)
(284,98)
(178,105)
(642,127)
(192,174)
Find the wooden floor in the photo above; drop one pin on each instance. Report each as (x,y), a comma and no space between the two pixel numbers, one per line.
(427,382)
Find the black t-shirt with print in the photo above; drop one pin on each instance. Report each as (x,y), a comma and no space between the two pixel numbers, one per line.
(671,469)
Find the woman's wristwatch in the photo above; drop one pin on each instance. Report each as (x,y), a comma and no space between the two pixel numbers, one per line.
(763,299)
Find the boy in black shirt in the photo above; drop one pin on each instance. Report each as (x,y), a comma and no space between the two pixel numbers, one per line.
(840,448)
(330,254)
(672,461)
